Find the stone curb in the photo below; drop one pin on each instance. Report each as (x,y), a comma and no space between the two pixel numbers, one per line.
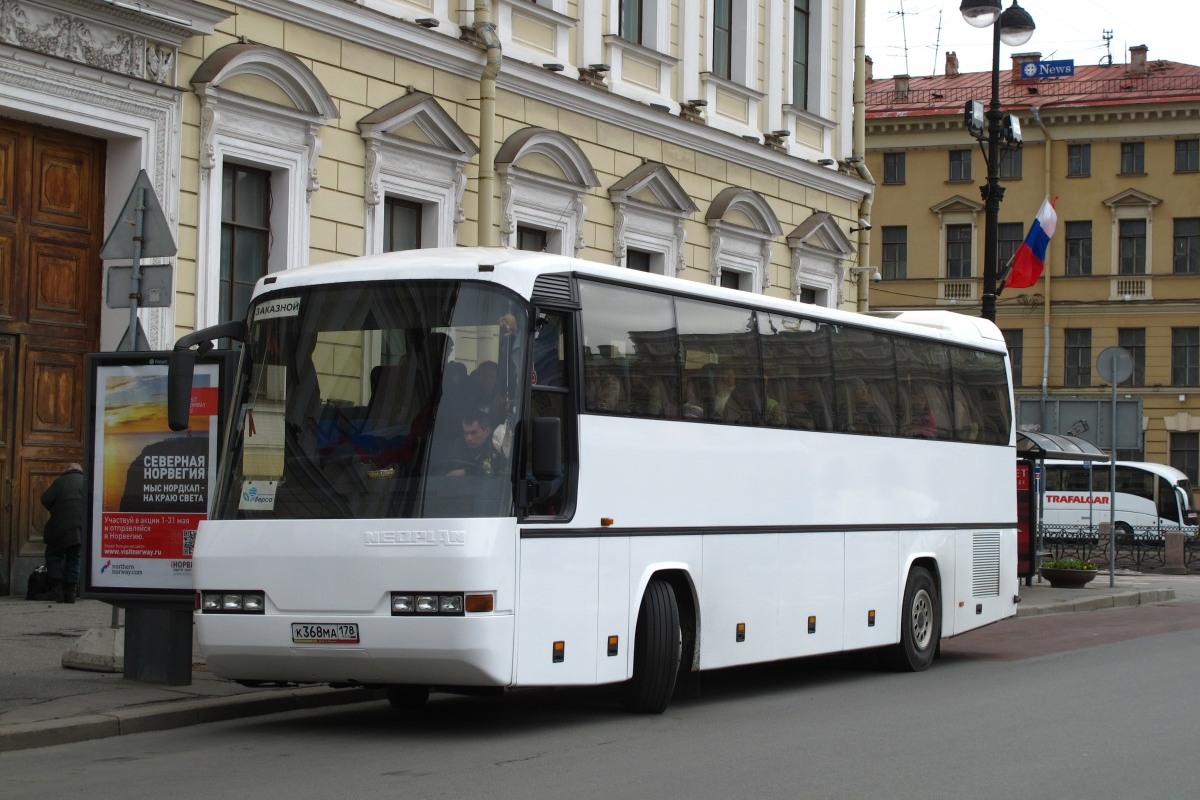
(176,714)
(1124,599)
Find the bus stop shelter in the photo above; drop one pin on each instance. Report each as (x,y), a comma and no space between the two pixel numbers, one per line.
(1033,449)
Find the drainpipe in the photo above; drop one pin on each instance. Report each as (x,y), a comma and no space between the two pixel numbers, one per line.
(858,154)
(1035,111)
(485,217)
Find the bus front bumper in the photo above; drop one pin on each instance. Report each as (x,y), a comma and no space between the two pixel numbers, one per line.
(440,651)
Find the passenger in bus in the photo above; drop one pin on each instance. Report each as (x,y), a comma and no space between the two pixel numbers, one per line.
(476,454)
(650,397)
(724,385)
(696,395)
(923,424)
(605,393)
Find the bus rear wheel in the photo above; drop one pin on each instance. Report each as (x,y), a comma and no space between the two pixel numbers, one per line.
(920,625)
(657,650)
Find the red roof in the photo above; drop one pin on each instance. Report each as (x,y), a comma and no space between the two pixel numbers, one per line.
(1089,87)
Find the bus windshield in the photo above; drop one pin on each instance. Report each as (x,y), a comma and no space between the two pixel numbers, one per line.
(371,400)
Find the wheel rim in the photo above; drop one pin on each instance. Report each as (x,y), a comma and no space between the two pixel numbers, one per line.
(922,619)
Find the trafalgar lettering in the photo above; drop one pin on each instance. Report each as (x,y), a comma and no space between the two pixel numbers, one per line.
(1096,500)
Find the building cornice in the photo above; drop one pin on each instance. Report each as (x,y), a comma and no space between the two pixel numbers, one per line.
(410,41)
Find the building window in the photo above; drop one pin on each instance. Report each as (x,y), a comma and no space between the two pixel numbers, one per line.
(631,21)
(1131,247)
(731,279)
(1079,247)
(723,39)
(1187,155)
(542,197)
(1185,356)
(895,252)
(893,167)
(1016,353)
(1079,160)
(1009,236)
(1133,158)
(960,165)
(741,225)
(1187,246)
(1077,357)
(245,236)
(800,27)
(1010,164)
(649,210)
(401,225)
(534,239)
(416,156)
(638,260)
(281,165)
(958,251)
(1134,340)
(1185,454)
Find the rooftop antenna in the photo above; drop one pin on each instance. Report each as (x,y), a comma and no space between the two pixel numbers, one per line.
(903,34)
(937,44)
(1106,60)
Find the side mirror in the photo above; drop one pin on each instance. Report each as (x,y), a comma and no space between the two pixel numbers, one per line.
(181,367)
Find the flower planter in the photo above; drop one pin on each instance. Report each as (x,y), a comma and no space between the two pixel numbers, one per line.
(1067,578)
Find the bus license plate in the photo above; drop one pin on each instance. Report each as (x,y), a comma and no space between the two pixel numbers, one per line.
(324,633)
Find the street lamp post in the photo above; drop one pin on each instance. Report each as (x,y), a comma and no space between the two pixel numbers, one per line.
(1013,27)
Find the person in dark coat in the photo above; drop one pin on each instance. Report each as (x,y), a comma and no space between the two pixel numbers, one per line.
(66,500)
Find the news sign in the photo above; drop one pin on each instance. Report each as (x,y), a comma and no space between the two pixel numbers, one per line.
(1048,69)
(150,486)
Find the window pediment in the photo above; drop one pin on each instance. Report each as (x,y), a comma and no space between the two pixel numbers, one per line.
(957,205)
(1132,198)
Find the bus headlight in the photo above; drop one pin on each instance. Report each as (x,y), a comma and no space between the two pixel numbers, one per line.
(243,602)
(446,604)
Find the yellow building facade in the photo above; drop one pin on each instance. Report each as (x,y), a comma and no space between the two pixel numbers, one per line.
(695,138)
(1116,148)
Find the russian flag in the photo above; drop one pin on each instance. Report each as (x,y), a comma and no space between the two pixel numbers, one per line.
(1029,260)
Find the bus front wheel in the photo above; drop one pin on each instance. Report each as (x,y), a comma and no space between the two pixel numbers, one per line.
(657,649)
(920,624)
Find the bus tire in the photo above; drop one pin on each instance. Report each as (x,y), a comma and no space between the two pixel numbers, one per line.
(657,649)
(407,698)
(920,625)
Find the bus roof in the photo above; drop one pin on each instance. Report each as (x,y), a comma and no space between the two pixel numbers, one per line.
(1162,470)
(519,269)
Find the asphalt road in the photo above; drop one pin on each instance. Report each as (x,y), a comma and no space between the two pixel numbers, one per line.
(1088,705)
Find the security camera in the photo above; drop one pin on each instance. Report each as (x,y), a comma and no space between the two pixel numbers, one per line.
(862,223)
(876,277)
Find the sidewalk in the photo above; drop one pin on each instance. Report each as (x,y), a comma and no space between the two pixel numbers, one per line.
(43,703)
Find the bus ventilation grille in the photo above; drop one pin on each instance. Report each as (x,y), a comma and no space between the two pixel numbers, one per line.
(555,290)
(985,565)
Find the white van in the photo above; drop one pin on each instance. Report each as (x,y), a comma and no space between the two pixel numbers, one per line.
(1148,495)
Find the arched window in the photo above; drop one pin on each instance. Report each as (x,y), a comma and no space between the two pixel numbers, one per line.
(261,112)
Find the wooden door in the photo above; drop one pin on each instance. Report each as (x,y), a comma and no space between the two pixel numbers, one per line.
(51,231)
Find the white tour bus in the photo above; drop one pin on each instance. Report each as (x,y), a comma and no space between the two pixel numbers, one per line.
(1148,496)
(470,469)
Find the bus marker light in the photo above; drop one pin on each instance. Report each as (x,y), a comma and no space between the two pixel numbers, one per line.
(559,652)
(427,604)
(480,603)
(961,603)
(741,632)
(871,618)
(606,522)
(450,604)
(404,604)
(812,624)
(612,645)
